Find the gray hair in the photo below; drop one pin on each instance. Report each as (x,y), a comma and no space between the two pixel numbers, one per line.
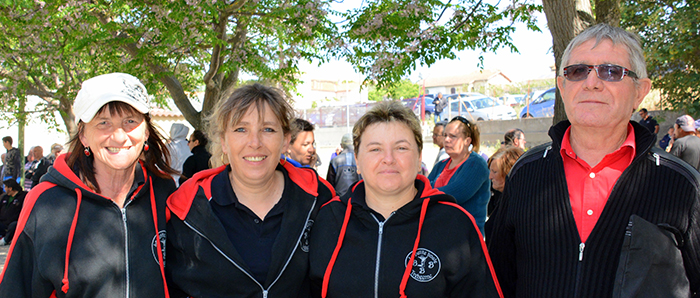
(617,35)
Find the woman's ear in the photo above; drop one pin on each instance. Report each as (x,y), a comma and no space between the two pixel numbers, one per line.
(285,143)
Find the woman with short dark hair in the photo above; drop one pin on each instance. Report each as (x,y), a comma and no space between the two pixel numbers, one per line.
(392,234)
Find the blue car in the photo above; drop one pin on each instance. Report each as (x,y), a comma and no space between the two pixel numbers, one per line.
(414,104)
(541,106)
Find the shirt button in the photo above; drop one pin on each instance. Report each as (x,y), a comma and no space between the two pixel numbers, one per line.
(257,220)
(592,175)
(589,212)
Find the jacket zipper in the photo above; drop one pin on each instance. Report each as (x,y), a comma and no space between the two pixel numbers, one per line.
(579,268)
(289,259)
(379,252)
(126,248)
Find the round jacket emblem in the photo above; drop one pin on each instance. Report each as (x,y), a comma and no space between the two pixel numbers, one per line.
(426,265)
(154,245)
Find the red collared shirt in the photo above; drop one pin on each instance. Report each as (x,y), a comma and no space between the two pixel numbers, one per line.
(589,188)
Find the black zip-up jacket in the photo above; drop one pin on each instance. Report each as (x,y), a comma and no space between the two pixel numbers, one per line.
(535,245)
(354,252)
(72,242)
(198,161)
(202,261)
(9,211)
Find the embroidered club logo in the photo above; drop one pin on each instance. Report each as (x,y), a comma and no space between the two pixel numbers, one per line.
(154,245)
(304,243)
(426,265)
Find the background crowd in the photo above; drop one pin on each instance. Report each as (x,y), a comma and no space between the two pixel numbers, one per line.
(601,211)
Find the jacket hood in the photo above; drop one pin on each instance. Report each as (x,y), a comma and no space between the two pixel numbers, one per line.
(180,201)
(422,184)
(178,131)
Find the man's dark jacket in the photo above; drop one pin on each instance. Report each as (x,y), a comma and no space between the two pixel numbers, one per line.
(197,162)
(536,248)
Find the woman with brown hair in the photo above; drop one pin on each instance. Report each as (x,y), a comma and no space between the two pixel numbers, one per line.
(392,234)
(95,226)
(241,229)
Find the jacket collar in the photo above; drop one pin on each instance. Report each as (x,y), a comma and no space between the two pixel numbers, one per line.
(196,212)
(425,191)
(644,139)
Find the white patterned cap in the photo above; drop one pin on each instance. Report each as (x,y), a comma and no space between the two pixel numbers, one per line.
(100,90)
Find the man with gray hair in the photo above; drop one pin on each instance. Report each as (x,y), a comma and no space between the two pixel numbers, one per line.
(599,211)
(342,171)
(686,145)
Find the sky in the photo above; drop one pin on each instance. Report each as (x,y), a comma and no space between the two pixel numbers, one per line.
(533,61)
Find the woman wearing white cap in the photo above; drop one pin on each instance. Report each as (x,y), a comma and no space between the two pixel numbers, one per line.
(96,226)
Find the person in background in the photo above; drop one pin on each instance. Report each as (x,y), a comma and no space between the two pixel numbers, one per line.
(241,229)
(515,137)
(667,140)
(499,165)
(648,121)
(440,104)
(362,242)
(301,152)
(439,140)
(179,148)
(29,165)
(464,175)
(599,211)
(199,160)
(2,159)
(13,158)
(56,150)
(39,167)
(95,225)
(10,206)
(342,171)
(686,145)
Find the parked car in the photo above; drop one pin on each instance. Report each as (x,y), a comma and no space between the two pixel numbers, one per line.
(479,108)
(541,106)
(512,100)
(415,102)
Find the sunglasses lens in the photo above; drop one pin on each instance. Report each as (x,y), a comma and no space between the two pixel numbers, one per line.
(577,72)
(611,73)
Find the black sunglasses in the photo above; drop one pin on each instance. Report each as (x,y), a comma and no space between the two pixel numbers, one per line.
(461,119)
(605,72)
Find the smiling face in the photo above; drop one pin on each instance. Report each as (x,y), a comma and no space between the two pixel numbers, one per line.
(302,150)
(388,158)
(456,145)
(254,145)
(596,103)
(116,140)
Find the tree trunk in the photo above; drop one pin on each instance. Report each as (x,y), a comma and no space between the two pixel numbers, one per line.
(565,19)
(608,11)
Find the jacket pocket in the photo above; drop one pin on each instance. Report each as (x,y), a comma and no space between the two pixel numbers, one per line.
(651,264)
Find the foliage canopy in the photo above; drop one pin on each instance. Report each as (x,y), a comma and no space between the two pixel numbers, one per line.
(670,32)
(190,50)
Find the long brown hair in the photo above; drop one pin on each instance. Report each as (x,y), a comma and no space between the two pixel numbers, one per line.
(156,159)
